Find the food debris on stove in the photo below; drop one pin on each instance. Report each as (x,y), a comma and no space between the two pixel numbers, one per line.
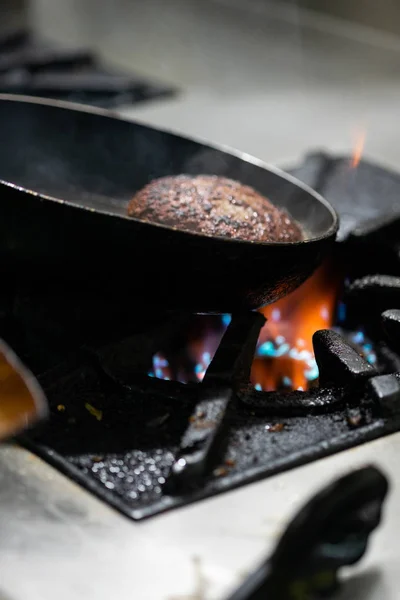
(276,427)
(354,418)
(214,206)
(220,471)
(97,458)
(98,414)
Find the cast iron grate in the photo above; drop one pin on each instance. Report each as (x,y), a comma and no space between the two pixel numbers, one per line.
(32,67)
(146,445)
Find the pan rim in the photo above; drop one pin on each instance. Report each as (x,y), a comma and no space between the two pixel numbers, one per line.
(77,107)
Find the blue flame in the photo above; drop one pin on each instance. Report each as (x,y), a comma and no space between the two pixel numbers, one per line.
(341,312)
(160,363)
(282,350)
(274,348)
(206,358)
(312,373)
(358,337)
(226,319)
(366,347)
(266,349)
(279,348)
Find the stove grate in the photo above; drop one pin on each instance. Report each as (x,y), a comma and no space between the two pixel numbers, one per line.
(31,67)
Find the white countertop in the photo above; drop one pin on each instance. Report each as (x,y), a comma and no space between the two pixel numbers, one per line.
(57,539)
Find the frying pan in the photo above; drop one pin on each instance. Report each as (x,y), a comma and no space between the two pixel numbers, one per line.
(67,173)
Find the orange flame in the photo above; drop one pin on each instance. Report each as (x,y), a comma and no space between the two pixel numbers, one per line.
(358,149)
(292,321)
(289,362)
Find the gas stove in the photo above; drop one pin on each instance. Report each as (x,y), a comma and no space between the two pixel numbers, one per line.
(154,419)
(175,411)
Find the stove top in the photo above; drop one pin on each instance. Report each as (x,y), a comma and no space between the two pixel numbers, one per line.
(145,444)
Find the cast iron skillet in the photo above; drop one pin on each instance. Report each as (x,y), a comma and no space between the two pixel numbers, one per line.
(67,173)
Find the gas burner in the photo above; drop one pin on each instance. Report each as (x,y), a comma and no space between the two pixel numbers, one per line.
(31,67)
(125,425)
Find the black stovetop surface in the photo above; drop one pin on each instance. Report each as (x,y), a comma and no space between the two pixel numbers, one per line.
(34,67)
(145,445)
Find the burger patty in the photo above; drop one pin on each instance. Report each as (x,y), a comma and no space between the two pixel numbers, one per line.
(214,206)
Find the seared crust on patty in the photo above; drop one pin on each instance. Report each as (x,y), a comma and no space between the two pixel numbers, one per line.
(214,206)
